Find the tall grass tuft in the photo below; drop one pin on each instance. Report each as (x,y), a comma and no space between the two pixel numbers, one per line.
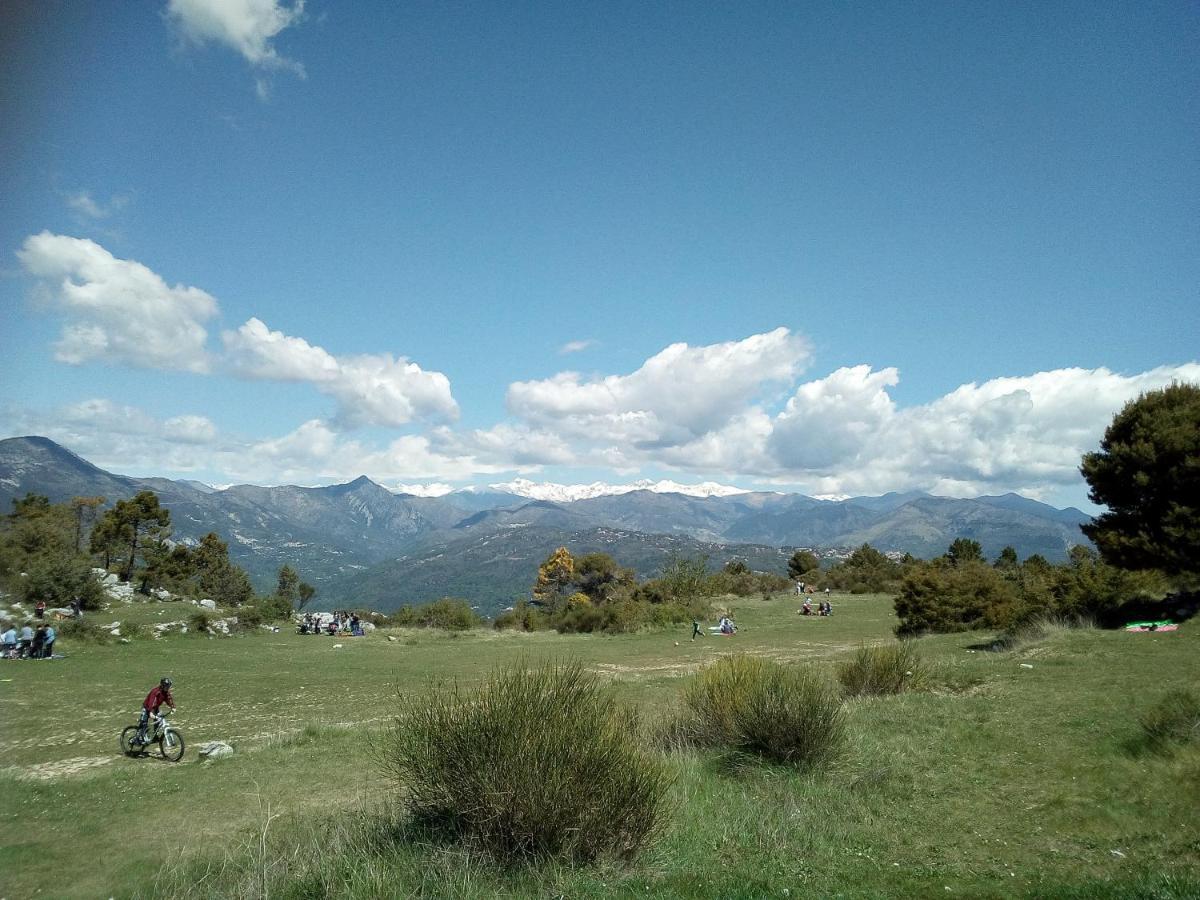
(1036,630)
(1173,719)
(881,670)
(786,714)
(537,763)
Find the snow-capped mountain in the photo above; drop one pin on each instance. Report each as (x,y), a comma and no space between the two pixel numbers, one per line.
(568,493)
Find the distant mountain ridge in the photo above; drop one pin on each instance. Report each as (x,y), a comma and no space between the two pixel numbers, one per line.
(335,534)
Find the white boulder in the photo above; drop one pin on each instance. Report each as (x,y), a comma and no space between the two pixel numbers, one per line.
(215,750)
(208,604)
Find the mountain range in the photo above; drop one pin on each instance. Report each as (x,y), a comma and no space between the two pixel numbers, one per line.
(362,544)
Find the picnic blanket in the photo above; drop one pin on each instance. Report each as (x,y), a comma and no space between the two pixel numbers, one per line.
(1152,626)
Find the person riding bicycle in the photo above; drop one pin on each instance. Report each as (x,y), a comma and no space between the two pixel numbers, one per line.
(160,694)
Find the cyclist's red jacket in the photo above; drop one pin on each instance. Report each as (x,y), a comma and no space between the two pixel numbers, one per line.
(157,698)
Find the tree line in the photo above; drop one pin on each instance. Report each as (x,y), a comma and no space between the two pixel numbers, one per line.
(48,551)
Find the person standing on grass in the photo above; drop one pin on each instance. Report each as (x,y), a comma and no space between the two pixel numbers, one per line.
(39,611)
(48,642)
(160,694)
(25,640)
(696,629)
(8,641)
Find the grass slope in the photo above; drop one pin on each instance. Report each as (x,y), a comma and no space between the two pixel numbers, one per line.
(1002,781)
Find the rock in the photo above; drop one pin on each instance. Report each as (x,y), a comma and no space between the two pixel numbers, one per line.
(126,641)
(215,750)
(337,646)
(112,626)
(391,637)
(116,632)
(208,604)
(367,626)
(1026,666)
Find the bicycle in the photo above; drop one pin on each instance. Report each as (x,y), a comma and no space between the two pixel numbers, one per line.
(159,731)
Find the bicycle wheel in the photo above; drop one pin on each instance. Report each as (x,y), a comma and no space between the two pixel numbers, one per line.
(127,737)
(171,745)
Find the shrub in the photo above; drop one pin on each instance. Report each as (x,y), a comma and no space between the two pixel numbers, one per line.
(524,616)
(81,630)
(888,669)
(199,621)
(448,613)
(1173,719)
(135,631)
(249,617)
(536,763)
(786,714)
(939,597)
(794,716)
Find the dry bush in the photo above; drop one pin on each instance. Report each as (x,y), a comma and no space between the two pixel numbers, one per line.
(537,762)
(886,669)
(787,714)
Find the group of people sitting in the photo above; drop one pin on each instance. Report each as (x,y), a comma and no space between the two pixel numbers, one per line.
(824,608)
(28,643)
(340,623)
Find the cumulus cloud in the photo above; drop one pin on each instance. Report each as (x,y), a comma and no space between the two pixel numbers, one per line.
(370,389)
(677,395)
(844,434)
(246,26)
(382,390)
(117,310)
(128,440)
(703,410)
(255,351)
(514,446)
(314,452)
(847,409)
(121,438)
(190,430)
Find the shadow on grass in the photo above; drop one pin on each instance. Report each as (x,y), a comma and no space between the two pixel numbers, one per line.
(1179,607)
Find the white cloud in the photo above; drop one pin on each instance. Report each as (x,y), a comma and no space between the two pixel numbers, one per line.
(190,429)
(370,389)
(677,395)
(316,453)
(106,415)
(433,489)
(254,351)
(574,347)
(506,445)
(830,420)
(83,202)
(117,310)
(382,390)
(247,26)
(122,438)
(844,434)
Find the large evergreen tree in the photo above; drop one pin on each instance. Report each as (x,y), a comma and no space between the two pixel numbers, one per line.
(1147,472)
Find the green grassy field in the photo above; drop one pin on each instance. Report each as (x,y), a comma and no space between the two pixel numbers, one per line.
(1017,774)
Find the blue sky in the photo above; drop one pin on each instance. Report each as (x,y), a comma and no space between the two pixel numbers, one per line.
(926,246)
